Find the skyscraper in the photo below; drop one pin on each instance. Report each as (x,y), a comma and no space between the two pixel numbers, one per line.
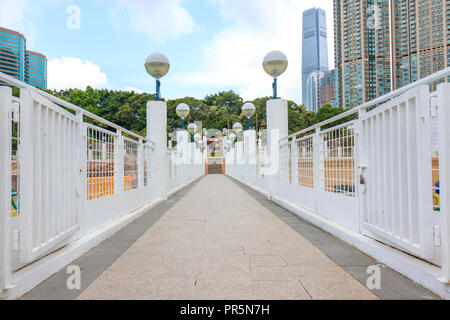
(315,47)
(362,47)
(420,39)
(17,62)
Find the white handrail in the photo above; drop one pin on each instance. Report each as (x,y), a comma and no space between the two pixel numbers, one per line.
(17,83)
(427,80)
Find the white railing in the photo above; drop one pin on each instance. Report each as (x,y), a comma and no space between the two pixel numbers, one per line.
(67,173)
(383,173)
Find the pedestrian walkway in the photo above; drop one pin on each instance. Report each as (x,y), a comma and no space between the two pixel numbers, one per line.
(220,241)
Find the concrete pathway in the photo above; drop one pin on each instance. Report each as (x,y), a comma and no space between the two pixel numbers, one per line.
(219,242)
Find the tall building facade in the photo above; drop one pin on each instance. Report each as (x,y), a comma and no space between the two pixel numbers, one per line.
(383,45)
(36,69)
(12,53)
(328,88)
(313,91)
(315,47)
(362,47)
(321,89)
(17,62)
(420,39)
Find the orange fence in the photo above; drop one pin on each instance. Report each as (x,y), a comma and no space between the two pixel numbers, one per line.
(99,187)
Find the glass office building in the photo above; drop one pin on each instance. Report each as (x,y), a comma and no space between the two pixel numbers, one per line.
(17,62)
(12,53)
(315,47)
(36,69)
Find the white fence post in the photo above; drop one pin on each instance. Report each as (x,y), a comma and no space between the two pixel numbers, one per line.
(141,158)
(26,170)
(157,132)
(119,158)
(5,187)
(82,164)
(318,160)
(444,174)
(277,128)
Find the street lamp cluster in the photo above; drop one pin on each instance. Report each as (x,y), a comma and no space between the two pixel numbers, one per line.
(157,65)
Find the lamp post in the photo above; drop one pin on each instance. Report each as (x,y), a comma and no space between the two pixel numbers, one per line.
(275,64)
(183,111)
(232,138)
(191,129)
(157,65)
(248,110)
(237,128)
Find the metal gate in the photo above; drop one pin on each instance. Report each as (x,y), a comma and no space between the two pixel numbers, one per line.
(215,166)
(396,175)
(49,157)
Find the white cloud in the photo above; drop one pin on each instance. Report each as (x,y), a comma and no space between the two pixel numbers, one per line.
(159,20)
(12,16)
(234,57)
(131,89)
(66,73)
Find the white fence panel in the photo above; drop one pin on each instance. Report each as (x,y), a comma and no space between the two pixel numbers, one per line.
(5,185)
(396,142)
(49,149)
(444,176)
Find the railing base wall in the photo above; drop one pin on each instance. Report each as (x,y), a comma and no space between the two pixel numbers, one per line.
(29,277)
(419,271)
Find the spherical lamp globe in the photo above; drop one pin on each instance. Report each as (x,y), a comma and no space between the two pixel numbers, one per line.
(237,127)
(275,63)
(157,65)
(197,137)
(192,128)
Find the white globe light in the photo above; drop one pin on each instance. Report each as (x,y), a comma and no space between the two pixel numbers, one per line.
(192,127)
(248,109)
(275,63)
(183,110)
(157,65)
(197,137)
(237,127)
(232,137)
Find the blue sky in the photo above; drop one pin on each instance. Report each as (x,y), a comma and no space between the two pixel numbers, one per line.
(212,45)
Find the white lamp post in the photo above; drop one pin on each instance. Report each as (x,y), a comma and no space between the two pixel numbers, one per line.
(248,110)
(183,111)
(275,64)
(192,128)
(157,65)
(237,128)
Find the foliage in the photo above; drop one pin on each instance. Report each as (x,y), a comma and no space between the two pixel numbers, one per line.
(218,111)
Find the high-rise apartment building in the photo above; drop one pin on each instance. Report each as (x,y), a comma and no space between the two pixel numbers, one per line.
(17,62)
(12,53)
(328,88)
(362,48)
(313,91)
(383,45)
(36,69)
(420,39)
(315,47)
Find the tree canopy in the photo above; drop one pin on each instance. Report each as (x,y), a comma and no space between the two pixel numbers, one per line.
(218,111)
